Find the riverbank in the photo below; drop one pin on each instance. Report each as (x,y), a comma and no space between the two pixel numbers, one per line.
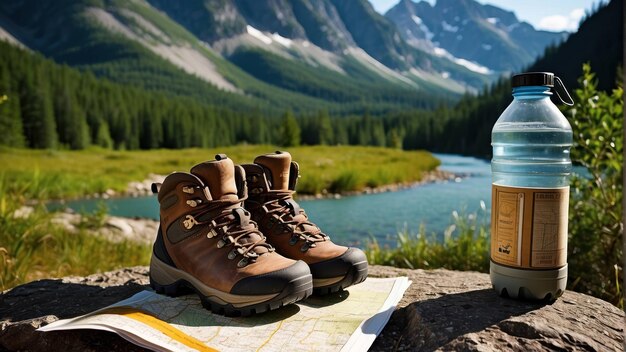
(144,188)
(100,173)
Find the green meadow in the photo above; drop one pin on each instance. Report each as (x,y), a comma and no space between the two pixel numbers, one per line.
(51,174)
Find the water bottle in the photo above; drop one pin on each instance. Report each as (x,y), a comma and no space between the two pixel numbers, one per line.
(530,192)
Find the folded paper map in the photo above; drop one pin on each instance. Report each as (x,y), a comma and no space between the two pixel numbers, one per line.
(345,321)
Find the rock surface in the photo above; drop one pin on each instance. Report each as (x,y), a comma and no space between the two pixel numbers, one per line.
(442,309)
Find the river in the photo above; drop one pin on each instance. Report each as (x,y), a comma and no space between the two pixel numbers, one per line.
(356,219)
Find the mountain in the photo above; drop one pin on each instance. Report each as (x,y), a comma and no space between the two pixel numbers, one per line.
(55,106)
(342,36)
(302,55)
(470,31)
(598,41)
(133,43)
(166,76)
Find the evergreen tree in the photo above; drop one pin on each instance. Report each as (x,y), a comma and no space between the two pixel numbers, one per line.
(10,122)
(258,132)
(37,113)
(71,125)
(290,131)
(324,128)
(10,118)
(103,137)
(394,139)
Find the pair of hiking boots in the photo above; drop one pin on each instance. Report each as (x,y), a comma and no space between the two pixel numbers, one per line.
(235,236)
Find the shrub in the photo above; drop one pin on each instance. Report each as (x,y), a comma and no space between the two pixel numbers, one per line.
(595,218)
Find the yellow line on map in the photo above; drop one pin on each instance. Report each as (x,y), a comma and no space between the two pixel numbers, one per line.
(270,337)
(161,326)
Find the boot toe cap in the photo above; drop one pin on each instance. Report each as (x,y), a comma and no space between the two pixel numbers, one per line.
(297,274)
(339,266)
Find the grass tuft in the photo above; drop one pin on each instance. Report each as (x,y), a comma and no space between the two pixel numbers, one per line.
(465,246)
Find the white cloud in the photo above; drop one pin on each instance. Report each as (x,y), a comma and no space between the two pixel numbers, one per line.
(557,23)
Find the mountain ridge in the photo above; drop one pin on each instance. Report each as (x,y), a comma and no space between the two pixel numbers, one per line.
(99,35)
(300,54)
(52,105)
(471,31)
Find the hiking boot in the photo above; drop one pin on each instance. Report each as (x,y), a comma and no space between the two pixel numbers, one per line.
(207,243)
(272,181)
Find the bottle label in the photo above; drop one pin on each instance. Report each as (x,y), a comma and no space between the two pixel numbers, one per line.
(529,226)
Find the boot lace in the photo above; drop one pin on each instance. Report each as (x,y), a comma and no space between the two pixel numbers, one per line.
(234,225)
(282,205)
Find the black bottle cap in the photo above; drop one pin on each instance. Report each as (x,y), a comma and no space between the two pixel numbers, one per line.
(533,79)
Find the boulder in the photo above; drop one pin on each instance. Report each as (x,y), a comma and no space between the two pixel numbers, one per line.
(442,309)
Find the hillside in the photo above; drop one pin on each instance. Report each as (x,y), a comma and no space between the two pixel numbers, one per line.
(50,106)
(246,61)
(54,106)
(132,85)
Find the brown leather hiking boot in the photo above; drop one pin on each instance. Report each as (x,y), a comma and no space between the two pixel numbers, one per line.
(206,242)
(272,182)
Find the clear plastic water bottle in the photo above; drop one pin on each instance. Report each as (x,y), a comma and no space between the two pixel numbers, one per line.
(530,193)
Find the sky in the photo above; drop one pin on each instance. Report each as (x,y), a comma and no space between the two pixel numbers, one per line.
(551,15)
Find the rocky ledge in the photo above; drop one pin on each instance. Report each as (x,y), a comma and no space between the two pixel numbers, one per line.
(442,309)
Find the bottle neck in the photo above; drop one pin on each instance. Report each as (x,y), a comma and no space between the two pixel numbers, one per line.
(531,92)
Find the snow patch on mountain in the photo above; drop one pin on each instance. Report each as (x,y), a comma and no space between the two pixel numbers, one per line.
(472,66)
(258,35)
(427,33)
(448,27)
(286,42)
(268,40)
(493,20)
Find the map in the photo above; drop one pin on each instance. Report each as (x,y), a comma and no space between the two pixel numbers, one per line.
(345,321)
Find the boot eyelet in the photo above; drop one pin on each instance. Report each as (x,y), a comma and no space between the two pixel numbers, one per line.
(293,240)
(193,202)
(189,222)
(232,254)
(305,247)
(211,234)
(225,241)
(188,190)
(243,262)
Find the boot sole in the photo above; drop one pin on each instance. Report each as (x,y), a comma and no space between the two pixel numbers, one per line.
(174,282)
(356,275)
